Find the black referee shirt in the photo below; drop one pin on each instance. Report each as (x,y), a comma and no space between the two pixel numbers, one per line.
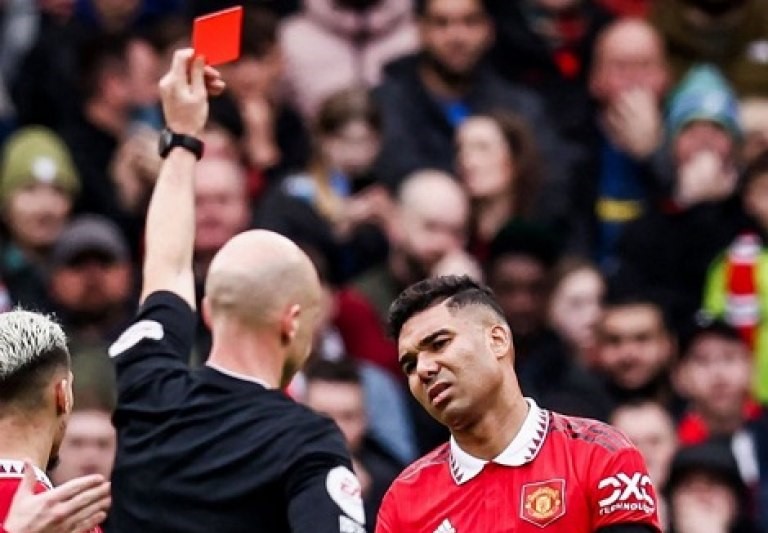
(201,451)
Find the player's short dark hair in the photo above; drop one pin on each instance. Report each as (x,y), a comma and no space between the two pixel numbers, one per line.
(458,291)
(342,370)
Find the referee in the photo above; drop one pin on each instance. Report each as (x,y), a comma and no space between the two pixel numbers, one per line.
(220,449)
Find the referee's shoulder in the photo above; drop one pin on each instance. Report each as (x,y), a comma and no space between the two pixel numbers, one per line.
(589,432)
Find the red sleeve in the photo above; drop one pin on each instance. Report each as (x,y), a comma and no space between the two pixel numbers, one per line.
(386,520)
(621,491)
(363,334)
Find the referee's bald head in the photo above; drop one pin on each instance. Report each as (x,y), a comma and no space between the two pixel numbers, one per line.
(262,280)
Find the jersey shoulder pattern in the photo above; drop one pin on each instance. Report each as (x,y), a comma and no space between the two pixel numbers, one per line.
(437,457)
(590,432)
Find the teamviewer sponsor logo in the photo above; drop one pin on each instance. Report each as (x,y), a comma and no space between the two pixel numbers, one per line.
(626,493)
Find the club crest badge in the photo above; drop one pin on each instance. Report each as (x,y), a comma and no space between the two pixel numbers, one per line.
(543,502)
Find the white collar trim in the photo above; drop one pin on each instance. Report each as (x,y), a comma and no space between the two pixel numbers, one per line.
(10,469)
(523,448)
(238,375)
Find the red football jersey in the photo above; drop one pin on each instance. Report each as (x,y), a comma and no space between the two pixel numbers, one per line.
(11,473)
(560,474)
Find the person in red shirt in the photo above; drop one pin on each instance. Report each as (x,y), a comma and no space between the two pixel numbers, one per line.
(510,465)
(35,404)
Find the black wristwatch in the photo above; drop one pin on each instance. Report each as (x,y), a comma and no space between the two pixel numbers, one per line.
(170,140)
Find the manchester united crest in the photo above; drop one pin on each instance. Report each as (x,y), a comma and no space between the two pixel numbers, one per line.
(543,502)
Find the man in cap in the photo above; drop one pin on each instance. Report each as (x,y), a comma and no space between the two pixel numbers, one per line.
(91,280)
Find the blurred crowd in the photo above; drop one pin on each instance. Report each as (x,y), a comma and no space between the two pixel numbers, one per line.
(601,164)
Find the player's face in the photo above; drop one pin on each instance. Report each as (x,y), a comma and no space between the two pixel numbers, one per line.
(452,359)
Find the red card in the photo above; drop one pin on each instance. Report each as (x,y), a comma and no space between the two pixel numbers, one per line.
(216,36)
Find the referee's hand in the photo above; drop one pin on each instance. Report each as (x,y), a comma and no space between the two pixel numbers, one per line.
(76,506)
(184,92)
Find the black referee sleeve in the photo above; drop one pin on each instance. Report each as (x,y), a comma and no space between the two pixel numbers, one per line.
(324,497)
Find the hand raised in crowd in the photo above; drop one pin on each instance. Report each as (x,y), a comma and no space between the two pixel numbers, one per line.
(184,91)
(705,177)
(134,169)
(635,123)
(74,507)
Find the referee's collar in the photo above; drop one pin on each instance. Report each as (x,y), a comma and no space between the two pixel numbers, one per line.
(523,448)
(11,469)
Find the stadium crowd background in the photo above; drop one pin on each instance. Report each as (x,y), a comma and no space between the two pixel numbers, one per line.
(602,165)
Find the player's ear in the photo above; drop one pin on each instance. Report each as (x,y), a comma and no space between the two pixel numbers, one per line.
(289,324)
(500,340)
(64,397)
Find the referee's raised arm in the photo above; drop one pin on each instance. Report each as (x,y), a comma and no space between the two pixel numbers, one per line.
(170,226)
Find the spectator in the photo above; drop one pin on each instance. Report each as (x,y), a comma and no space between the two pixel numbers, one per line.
(38,184)
(518,270)
(89,444)
(575,305)
(729,34)
(547,45)
(334,389)
(91,282)
(35,406)
(426,96)
(272,135)
(714,375)
(95,136)
(430,226)
(650,427)
(44,87)
(335,44)
(733,291)
(635,349)
(499,166)
(753,113)
(628,81)
(338,199)
(706,493)
(703,216)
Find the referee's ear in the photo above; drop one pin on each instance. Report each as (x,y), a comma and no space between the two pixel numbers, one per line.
(206,312)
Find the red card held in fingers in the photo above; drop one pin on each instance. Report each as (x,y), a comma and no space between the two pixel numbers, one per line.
(216,36)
